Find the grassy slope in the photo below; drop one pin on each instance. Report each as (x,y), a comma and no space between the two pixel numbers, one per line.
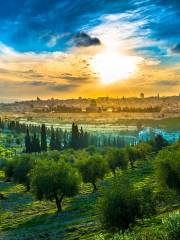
(23,218)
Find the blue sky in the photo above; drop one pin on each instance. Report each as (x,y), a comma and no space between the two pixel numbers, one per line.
(149,28)
(31,25)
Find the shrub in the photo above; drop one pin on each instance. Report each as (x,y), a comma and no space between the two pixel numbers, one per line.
(172,226)
(9,168)
(54,180)
(168,169)
(147,201)
(92,169)
(155,234)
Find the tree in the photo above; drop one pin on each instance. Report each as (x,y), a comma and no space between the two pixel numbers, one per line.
(52,140)
(21,168)
(35,144)
(43,138)
(159,143)
(133,155)
(117,158)
(75,136)
(168,169)
(144,149)
(92,169)
(58,140)
(119,207)
(27,142)
(54,180)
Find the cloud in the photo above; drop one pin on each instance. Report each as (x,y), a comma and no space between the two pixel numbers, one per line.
(55,38)
(62,87)
(82,39)
(168,83)
(176,49)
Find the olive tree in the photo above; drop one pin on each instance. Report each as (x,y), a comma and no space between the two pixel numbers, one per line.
(92,169)
(21,168)
(168,169)
(119,206)
(117,158)
(133,155)
(144,149)
(54,180)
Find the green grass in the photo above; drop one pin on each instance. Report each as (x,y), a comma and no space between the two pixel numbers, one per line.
(22,217)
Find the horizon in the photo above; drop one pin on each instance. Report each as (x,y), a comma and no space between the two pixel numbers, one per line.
(12,101)
(106,47)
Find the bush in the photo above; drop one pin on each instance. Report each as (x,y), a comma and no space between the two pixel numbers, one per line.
(155,234)
(119,207)
(9,168)
(147,201)
(172,226)
(168,169)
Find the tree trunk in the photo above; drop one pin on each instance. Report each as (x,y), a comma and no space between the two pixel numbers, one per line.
(94,187)
(114,172)
(132,164)
(27,187)
(58,202)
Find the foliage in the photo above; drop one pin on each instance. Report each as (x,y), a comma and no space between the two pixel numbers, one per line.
(54,180)
(159,143)
(4,154)
(133,155)
(22,166)
(19,168)
(168,169)
(117,158)
(43,138)
(147,200)
(92,169)
(154,234)
(119,206)
(172,226)
(9,167)
(144,149)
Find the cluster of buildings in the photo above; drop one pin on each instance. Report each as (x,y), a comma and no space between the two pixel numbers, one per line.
(100,104)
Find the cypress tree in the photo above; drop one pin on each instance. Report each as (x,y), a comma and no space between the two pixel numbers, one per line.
(57,140)
(52,140)
(43,138)
(81,138)
(27,142)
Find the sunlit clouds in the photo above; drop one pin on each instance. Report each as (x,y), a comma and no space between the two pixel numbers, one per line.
(73,49)
(112,67)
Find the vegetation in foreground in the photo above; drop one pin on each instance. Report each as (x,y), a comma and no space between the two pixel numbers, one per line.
(125,193)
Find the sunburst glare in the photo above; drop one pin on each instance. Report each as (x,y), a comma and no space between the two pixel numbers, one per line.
(112,67)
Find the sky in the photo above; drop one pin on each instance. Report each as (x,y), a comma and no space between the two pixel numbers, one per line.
(89,48)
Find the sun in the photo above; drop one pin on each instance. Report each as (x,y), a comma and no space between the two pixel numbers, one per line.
(112,67)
